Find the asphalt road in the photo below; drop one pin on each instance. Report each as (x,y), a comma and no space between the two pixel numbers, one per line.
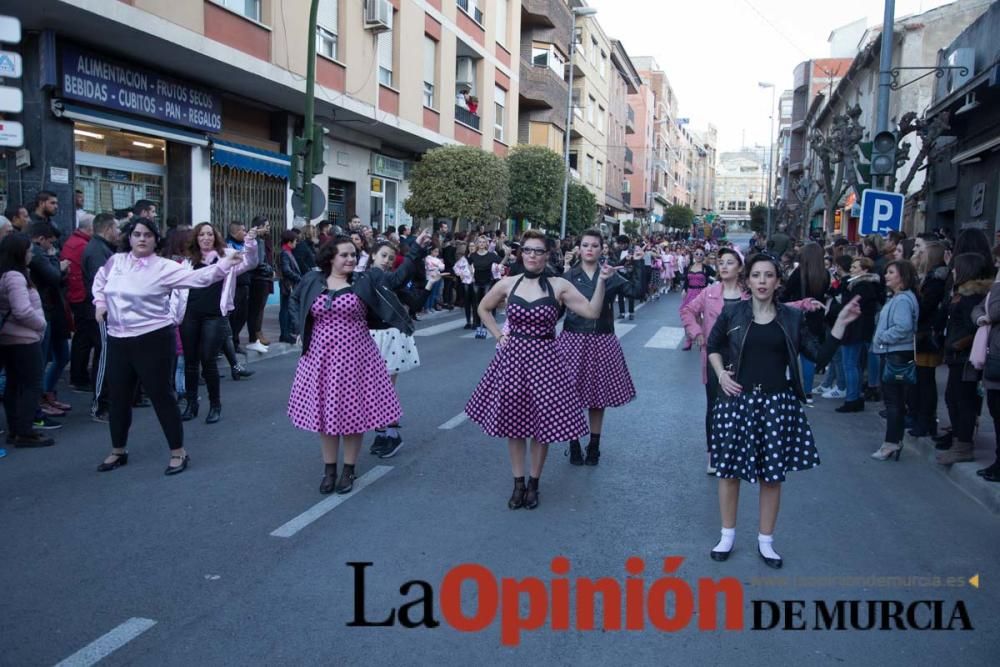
(150,570)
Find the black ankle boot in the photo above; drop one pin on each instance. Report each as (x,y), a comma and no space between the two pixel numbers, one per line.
(346,481)
(517,497)
(531,493)
(575,453)
(593,450)
(329,478)
(190,410)
(214,414)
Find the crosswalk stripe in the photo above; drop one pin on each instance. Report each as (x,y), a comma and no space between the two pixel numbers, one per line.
(107,644)
(622,329)
(440,328)
(454,421)
(666,338)
(322,507)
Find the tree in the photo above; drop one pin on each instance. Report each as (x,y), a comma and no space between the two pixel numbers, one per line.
(631,227)
(758,218)
(838,157)
(459,183)
(536,182)
(678,216)
(929,132)
(581,209)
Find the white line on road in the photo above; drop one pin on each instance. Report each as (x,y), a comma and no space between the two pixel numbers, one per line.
(622,329)
(667,338)
(107,644)
(322,507)
(457,420)
(440,328)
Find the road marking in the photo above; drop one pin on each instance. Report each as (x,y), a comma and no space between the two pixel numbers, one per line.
(457,420)
(667,338)
(107,644)
(621,329)
(440,328)
(322,507)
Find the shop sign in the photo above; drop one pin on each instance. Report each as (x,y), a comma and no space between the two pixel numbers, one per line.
(11,134)
(11,65)
(389,167)
(96,79)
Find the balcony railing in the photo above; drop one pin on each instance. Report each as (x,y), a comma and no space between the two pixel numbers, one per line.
(475,13)
(466,117)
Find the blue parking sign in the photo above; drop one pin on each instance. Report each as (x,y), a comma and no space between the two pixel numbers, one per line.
(881,212)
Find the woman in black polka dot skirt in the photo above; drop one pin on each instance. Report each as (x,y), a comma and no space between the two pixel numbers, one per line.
(527,391)
(759,429)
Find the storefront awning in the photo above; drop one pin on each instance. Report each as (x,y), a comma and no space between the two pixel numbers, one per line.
(128,123)
(250,158)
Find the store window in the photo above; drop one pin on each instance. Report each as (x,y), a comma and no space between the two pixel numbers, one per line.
(114,168)
(384,204)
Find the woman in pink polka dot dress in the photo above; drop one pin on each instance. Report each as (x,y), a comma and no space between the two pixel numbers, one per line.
(527,391)
(341,387)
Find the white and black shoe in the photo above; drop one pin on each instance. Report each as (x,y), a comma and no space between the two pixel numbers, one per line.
(391,447)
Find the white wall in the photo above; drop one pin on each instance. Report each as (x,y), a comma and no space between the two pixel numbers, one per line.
(201,183)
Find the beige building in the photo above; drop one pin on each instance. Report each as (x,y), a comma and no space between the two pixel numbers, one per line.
(591,87)
(193,103)
(703,174)
(625,81)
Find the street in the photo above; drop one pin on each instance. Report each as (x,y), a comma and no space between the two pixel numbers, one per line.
(197,555)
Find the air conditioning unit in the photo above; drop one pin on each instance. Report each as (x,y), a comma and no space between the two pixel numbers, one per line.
(378,15)
(465,72)
(960,58)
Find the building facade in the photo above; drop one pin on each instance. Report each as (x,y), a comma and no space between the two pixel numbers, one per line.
(740,185)
(546,28)
(193,104)
(621,122)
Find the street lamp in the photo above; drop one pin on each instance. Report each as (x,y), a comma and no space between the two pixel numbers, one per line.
(577,12)
(770,154)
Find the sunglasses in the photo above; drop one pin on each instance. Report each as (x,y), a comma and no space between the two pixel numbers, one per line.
(533,251)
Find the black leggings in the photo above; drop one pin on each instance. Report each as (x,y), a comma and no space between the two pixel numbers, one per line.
(147,359)
(480,291)
(621,304)
(469,299)
(260,289)
(963,403)
(712,391)
(203,338)
(23,364)
(922,399)
(993,403)
(241,311)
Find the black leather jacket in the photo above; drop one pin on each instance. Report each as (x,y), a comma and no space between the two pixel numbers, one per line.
(617,283)
(730,332)
(374,287)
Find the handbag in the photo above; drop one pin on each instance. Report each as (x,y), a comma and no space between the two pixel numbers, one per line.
(981,343)
(897,369)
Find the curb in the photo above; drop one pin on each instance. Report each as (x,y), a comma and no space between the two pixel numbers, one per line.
(962,475)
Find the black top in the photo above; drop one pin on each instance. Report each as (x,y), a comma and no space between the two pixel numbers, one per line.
(767,358)
(482,267)
(204,301)
(587,285)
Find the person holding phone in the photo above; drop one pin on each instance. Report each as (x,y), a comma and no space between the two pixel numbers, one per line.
(590,348)
(261,286)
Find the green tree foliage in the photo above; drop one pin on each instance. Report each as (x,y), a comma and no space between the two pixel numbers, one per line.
(459,183)
(581,209)
(678,216)
(631,227)
(536,182)
(758,218)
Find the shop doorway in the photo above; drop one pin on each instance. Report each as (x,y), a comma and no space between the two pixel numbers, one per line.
(115,168)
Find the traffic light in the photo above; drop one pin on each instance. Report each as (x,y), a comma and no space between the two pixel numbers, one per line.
(297,177)
(316,150)
(884,154)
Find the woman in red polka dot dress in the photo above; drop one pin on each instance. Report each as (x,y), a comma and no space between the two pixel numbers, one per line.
(341,387)
(527,391)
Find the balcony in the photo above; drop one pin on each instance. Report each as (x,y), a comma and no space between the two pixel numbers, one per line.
(542,88)
(548,14)
(630,120)
(475,12)
(466,117)
(628,161)
(627,198)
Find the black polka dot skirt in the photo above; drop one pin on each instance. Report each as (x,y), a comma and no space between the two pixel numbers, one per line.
(759,436)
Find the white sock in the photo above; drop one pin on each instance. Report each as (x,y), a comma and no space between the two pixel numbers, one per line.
(392,432)
(726,542)
(765,542)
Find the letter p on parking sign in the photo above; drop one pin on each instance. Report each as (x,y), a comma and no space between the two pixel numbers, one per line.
(881,212)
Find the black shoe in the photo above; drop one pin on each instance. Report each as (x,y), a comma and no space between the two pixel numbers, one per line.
(240,371)
(176,470)
(852,406)
(46,424)
(346,481)
(101,416)
(631,316)
(378,446)
(774,563)
(392,447)
(81,389)
(30,441)
(214,414)
(943,441)
(873,395)
(120,460)
(190,410)
(468,325)
(593,454)
(531,494)
(919,432)
(329,479)
(719,556)
(575,453)
(517,497)
(990,474)
(286,339)
(884,414)
(143,403)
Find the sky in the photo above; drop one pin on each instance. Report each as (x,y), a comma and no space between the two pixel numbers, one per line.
(715,52)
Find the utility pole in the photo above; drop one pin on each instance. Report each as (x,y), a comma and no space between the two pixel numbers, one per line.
(884,76)
(307,149)
(577,12)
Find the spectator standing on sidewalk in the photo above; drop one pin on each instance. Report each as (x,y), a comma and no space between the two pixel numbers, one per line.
(86,336)
(48,274)
(21,342)
(99,250)
(261,286)
(290,278)
(988,313)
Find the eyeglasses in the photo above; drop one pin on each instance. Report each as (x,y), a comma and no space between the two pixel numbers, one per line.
(533,251)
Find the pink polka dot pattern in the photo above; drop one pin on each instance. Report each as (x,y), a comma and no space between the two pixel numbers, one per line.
(598,368)
(527,391)
(341,385)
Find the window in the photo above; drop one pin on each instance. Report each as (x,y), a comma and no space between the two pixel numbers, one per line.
(573,160)
(384,49)
(503,7)
(591,104)
(741,205)
(499,117)
(600,173)
(470,7)
(327,28)
(600,119)
(586,168)
(731,206)
(577,103)
(247,8)
(430,70)
(604,65)
(546,55)
(593,52)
